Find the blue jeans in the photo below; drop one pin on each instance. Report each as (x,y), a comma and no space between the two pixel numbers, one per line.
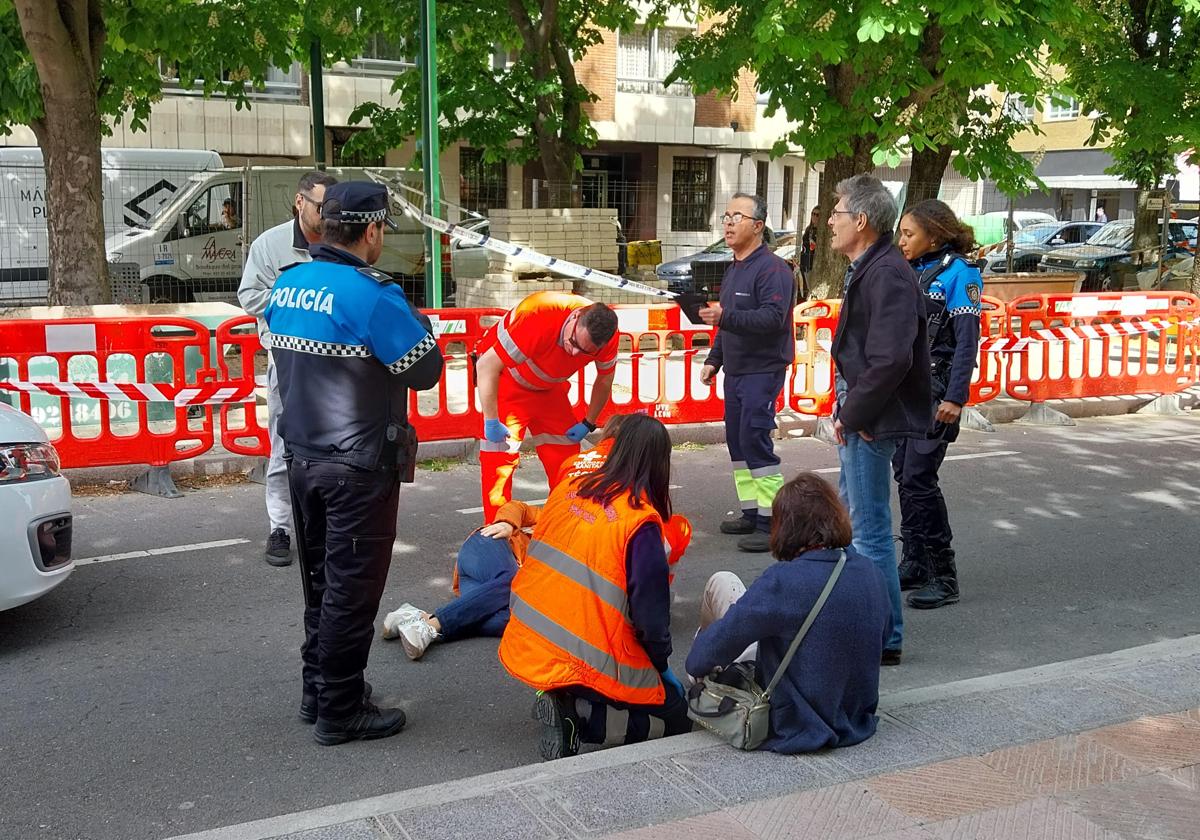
(486,568)
(865,484)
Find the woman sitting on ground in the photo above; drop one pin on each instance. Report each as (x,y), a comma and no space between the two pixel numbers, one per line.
(488,560)
(591,606)
(828,695)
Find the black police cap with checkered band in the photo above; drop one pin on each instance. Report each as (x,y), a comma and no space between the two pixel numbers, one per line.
(357,202)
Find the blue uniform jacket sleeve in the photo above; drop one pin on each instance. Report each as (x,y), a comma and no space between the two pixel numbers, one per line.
(753,618)
(647,579)
(773,292)
(400,337)
(964,287)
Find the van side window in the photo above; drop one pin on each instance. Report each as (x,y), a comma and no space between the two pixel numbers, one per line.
(216,209)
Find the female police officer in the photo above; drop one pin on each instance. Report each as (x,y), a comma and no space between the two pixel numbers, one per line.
(933,240)
(347,347)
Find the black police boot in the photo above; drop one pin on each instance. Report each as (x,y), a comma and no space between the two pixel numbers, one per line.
(755,543)
(942,589)
(738,525)
(308,703)
(914,563)
(367,724)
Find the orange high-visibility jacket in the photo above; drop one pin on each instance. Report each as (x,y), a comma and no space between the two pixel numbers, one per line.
(570,620)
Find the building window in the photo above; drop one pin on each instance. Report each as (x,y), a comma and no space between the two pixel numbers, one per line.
(280,85)
(339,156)
(1058,109)
(644,58)
(691,193)
(1015,107)
(762,168)
(382,56)
(788,175)
(482,186)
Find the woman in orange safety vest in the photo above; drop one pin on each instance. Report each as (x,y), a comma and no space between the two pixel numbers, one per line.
(488,560)
(590,607)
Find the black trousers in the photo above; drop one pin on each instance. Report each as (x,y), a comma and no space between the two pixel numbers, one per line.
(349,526)
(923,512)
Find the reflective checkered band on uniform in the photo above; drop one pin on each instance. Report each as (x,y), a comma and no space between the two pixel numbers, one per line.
(317,348)
(965,310)
(362,216)
(413,356)
(936,295)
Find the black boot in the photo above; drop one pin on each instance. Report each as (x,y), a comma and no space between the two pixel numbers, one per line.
(914,563)
(942,589)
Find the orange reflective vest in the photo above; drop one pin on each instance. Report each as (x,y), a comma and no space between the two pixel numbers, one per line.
(570,621)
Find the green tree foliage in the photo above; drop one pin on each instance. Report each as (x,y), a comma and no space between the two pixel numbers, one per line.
(72,66)
(507,80)
(867,81)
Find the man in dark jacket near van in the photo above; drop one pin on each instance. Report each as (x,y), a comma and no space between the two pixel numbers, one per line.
(881,355)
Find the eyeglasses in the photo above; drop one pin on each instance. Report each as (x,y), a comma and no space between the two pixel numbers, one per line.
(843,212)
(571,340)
(312,201)
(736,218)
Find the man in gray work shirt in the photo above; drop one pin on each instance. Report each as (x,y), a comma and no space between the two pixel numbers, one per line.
(283,245)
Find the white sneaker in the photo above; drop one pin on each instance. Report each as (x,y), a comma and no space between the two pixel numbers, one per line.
(393,621)
(416,636)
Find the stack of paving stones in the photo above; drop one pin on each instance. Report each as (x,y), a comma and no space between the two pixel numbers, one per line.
(583,236)
(1104,748)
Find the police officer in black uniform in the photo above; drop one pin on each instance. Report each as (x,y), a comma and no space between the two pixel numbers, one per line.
(348,347)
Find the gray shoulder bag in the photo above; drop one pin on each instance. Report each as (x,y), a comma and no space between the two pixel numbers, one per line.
(736,708)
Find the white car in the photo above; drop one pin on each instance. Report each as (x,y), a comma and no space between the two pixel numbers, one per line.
(35,512)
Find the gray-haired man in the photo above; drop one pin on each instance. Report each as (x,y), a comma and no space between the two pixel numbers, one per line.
(881,354)
(274,250)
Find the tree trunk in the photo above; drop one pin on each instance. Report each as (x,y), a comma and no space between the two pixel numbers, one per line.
(829,268)
(65,40)
(558,161)
(925,177)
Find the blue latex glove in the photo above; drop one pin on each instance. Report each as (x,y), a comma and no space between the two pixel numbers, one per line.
(669,679)
(495,431)
(580,430)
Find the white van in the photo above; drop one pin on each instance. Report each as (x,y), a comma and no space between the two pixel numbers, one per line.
(136,185)
(192,249)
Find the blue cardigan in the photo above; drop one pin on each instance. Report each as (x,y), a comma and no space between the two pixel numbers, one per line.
(828,696)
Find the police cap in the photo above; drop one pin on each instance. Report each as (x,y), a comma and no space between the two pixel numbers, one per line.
(357,202)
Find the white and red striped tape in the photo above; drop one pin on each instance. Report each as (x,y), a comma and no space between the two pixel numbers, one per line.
(1078,335)
(210,393)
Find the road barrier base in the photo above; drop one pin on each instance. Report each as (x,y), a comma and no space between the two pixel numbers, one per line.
(973,419)
(258,473)
(1040,414)
(157,481)
(1167,405)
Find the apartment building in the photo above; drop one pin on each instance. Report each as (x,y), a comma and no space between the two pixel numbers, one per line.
(667,159)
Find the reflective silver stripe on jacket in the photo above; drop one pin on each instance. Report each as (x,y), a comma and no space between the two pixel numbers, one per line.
(600,660)
(525,383)
(541,374)
(763,472)
(510,346)
(581,573)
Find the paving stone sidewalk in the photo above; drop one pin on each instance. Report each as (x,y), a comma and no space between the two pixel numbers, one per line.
(1102,748)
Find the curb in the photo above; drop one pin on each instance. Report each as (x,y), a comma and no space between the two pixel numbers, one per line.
(446,793)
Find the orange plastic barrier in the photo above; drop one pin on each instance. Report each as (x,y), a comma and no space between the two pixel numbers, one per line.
(249,437)
(457,331)
(86,363)
(1097,345)
(812,373)
(986,382)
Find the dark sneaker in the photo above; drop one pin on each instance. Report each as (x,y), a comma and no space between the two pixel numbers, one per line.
(308,703)
(560,725)
(739,525)
(756,543)
(279,548)
(890,657)
(367,725)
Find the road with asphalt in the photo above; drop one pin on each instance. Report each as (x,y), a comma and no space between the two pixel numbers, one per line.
(155,692)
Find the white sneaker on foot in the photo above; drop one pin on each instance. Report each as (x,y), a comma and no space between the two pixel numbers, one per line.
(416,636)
(393,621)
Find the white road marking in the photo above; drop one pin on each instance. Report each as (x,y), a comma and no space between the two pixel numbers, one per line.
(1191,437)
(948,458)
(154,552)
(533,502)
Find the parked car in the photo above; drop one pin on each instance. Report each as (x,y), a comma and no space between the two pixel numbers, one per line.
(35,512)
(679,272)
(991,228)
(1112,246)
(1032,243)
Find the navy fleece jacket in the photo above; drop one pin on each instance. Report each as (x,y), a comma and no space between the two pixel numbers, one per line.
(828,696)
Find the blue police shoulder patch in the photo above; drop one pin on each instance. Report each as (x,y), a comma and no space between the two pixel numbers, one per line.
(375,274)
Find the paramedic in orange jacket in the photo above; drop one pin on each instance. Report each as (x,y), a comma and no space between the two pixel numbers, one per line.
(524,370)
(590,612)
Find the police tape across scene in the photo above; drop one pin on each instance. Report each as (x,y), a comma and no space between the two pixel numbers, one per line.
(570,269)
